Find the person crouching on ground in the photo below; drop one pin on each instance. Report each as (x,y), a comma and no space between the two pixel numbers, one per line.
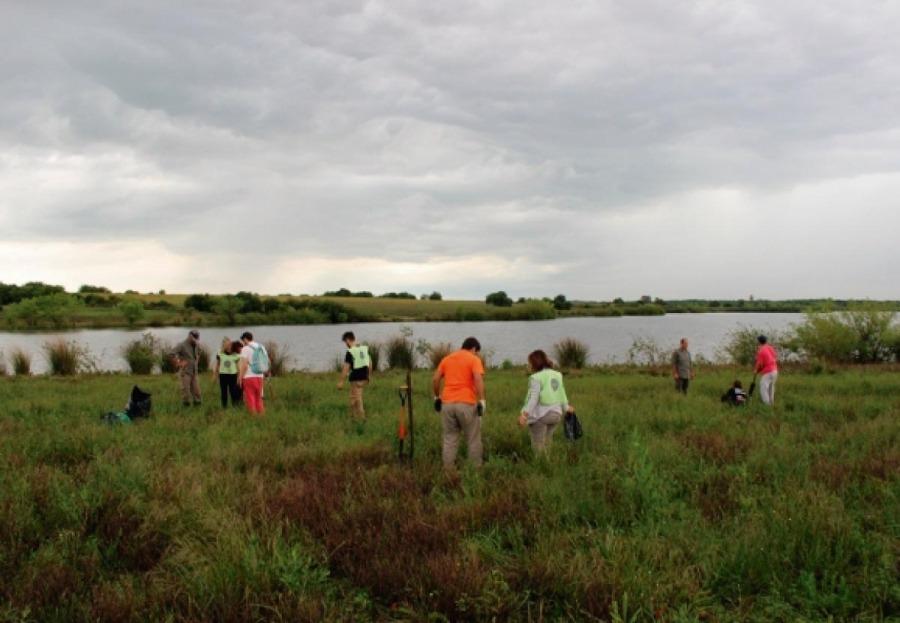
(545,403)
(357,366)
(767,367)
(250,377)
(461,403)
(735,396)
(187,359)
(226,371)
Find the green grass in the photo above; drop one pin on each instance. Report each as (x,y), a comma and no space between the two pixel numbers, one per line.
(670,507)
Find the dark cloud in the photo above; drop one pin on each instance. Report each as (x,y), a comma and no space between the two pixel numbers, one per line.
(598,139)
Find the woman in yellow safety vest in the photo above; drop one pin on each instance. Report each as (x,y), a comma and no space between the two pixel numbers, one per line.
(226,370)
(546,402)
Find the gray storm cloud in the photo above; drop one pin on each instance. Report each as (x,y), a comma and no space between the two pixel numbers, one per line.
(598,149)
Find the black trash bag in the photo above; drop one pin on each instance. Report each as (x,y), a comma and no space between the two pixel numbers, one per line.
(572,427)
(140,404)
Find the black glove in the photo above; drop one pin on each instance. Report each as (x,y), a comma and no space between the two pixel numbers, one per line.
(437,404)
(480,407)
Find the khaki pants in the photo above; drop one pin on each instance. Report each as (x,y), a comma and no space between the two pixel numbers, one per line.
(542,432)
(190,387)
(357,410)
(461,418)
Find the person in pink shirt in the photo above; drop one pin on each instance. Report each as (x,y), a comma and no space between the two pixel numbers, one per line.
(767,367)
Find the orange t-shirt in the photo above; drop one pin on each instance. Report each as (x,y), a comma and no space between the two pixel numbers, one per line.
(459,370)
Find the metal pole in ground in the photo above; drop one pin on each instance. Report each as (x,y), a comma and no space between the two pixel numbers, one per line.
(409,407)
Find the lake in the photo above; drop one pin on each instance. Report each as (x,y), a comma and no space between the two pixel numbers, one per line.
(314,347)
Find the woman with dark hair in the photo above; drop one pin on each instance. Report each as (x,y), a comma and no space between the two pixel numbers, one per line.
(225,370)
(546,402)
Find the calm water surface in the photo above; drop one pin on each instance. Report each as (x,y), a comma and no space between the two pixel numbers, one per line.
(315,347)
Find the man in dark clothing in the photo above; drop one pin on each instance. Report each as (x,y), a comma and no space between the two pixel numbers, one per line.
(187,358)
(682,367)
(356,368)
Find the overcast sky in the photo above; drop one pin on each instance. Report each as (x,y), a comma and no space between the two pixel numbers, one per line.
(597,149)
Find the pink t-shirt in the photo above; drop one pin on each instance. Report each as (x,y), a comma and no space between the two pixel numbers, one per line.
(766,359)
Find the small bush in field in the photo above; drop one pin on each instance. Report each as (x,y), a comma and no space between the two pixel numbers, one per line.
(374,354)
(279,357)
(67,357)
(401,354)
(436,352)
(571,353)
(741,345)
(21,362)
(167,363)
(140,354)
(645,351)
(2,364)
(203,358)
(862,334)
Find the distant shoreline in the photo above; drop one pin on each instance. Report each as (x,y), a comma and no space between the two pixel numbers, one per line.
(133,311)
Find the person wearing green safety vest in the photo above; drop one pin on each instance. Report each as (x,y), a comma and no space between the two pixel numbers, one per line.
(226,371)
(546,402)
(356,369)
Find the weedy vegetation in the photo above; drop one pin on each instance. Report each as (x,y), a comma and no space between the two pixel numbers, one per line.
(670,508)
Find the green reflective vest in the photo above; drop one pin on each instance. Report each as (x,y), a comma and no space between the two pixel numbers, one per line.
(360,356)
(552,390)
(228,364)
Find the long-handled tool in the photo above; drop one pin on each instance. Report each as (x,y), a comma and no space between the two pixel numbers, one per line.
(752,387)
(405,421)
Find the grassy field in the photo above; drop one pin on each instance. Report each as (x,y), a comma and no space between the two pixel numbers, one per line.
(670,508)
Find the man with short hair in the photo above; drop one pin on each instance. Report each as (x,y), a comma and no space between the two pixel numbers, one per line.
(187,359)
(682,367)
(767,366)
(461,403)
(250,380)
(356,368)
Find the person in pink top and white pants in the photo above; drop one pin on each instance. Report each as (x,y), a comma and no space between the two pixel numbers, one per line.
(767,367)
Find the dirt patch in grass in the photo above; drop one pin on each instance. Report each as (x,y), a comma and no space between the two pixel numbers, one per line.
(386,533)
(715,447)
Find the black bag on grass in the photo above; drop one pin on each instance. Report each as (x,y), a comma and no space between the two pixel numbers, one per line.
(572,427)
(140,404)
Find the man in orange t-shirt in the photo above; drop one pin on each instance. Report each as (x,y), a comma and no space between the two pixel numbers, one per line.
(461,403)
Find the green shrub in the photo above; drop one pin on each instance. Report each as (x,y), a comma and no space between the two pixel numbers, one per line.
(140,354)
(436,352)
(533,309)
(374,354)
(3,370)
(863,334)
(400,352)
(203,358)
(67,357)
(51,310)
(645,351)
(132,310)
(741,345)
(21,362)
(167,363)
(571,353)
(279,357)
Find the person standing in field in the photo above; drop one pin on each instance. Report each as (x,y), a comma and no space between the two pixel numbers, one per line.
(187,359)
(682,367)
(545,403)
(252,369)
(767,368)
(226,371)
(357,366)
(461,402)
